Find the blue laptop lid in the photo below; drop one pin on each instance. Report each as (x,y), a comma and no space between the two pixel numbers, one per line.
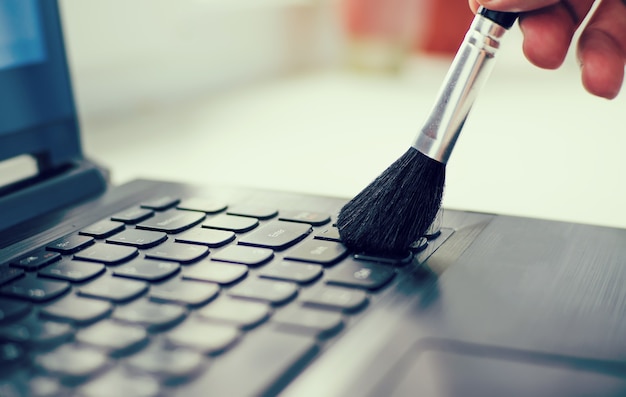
(38,118)
(37,114)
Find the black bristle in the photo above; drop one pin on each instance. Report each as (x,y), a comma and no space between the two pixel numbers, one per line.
(396,208)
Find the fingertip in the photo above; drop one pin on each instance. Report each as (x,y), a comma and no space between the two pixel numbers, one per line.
(608,90)
(602,67)
(473,5)
(546,39)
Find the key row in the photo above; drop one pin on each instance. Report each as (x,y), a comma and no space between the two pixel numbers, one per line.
(351,273)
(243,314)
(145,210)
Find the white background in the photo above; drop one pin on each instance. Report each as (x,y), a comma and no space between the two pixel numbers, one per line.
(208,93)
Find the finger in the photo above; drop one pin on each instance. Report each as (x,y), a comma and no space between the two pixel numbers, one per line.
(602,49)
(548,32)
(473,4)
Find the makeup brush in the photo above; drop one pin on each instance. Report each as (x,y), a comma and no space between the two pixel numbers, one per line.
(397,208)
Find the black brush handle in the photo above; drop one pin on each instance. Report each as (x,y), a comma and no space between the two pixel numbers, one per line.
(504,19)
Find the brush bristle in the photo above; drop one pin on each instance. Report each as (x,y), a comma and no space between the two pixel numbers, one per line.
(396,209)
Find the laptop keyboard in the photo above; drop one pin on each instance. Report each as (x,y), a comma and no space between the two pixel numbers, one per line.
(187,294)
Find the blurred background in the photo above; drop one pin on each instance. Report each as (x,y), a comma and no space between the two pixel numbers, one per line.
(319,96)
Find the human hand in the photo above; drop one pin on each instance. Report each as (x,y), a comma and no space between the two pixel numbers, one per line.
(549,25)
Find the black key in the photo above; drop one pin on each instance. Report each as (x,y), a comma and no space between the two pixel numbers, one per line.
(70,244)
(33,386)
(433,245)
(317,251)
(35,289)
(36,260)
(420,245)
(138,238)
(331,233)
(251,256)
(119,382)
(9,387)
(41,386)
(335,298)
(72,271)
(184,292)
(168,364)
(434,230)
(314,321)
(145,269)
(309,217)
(107,254)
(103,229)
(233,223)
(358,274)
(173,221)
(37,333)
(274,292)
(12,309)
(205,337)
(79,310)
(301,273)
(116,338)
(132,215)
(221,273)
(202,205)
(176,252)
(37,386)
(73,362)
(264,359)
(154,316)
(9,274)
(253,211)
(276,235)
(209,237)
(10,354)
(393,260)
(241,313)
(160,203)
(114,289)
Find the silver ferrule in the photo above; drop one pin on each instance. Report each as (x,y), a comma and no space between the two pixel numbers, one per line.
(467,74)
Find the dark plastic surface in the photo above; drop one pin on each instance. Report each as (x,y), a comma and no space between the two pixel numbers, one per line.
(46,194)
(504,19)
(441,373)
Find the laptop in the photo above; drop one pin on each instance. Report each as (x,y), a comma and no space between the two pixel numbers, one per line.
(164,289)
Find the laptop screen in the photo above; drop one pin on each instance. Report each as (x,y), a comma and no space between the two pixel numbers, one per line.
(37,115)
(21,37)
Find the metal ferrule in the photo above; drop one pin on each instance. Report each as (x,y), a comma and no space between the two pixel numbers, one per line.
(469,70)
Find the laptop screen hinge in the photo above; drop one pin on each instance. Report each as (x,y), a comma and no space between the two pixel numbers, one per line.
(49,191)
